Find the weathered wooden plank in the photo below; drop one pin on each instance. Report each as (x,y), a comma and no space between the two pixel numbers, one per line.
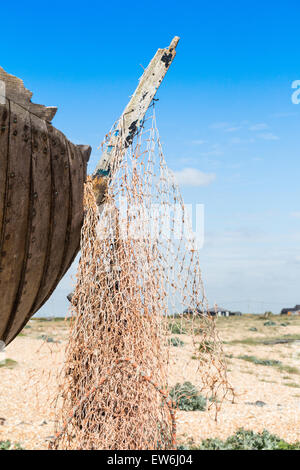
(133,115)
(4,139)
(16,91)
(4,143)
(60,208)
(72,245)
(63,235)
(38,223)
(77,178)
(15,214)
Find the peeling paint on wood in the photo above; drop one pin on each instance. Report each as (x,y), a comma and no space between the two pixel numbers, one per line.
(134,113)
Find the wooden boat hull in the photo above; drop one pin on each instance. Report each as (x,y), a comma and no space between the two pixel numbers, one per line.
(42,177)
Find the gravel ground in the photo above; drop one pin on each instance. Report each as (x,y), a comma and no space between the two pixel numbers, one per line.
(267,397)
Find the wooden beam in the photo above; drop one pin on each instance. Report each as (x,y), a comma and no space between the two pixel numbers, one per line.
(14,90)
(132,118)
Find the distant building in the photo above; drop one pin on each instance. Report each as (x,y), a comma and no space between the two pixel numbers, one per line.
(223,312)
(220,312)
(214,311)
(291,311)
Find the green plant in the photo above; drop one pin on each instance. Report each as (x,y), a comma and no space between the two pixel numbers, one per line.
(176,329)
(198,331)
(8,445)
(261,362)
(248,440)
(292,384)
(8,363)
(268,314)
(187,397)
(266,340)
(288,369)
(206,346)
(270,362)
(269,323)
(5,445)
(176,342)
(213,399)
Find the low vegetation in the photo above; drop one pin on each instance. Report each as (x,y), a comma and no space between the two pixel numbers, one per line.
(8,445)
(292,384)
(206,346)
(176,342)
(266,340)
(246,440)
(187,398)
(270,362)
(8,364)
(177,329)
(261,362)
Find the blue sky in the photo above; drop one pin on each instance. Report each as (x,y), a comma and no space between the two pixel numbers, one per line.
(225,110)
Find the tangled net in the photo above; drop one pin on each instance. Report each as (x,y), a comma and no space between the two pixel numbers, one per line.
(138,273)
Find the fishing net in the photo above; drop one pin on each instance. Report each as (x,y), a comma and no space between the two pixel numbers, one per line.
(139,291)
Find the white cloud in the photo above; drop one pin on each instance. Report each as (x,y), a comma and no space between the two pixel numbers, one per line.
(268,136)
(259,127)
(295,214)
(193,177)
